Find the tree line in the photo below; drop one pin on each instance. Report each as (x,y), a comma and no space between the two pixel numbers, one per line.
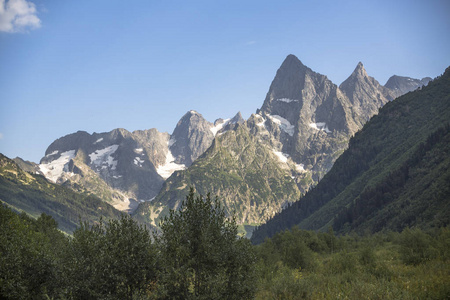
(196,255)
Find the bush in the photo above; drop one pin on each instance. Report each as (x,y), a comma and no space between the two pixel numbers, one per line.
(415,246)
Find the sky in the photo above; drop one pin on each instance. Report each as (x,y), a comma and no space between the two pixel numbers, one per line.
(99,65)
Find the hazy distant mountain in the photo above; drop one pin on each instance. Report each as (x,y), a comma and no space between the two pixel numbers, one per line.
(401,85)
(394,174)
(118,166)
(125,168)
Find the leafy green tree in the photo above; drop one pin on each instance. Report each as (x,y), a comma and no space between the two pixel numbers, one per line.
(201,254)
(130,257)
(113,261)
(28,264)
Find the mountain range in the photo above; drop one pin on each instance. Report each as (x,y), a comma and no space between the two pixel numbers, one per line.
(256,167)
(395,173)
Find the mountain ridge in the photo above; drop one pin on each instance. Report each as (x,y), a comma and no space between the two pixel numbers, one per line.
(379,160)
(304,123)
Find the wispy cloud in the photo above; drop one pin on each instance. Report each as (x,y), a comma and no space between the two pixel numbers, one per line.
(250,43)
(18,16)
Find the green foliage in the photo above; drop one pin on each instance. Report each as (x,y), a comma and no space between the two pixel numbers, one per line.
(113,261)
(29,263)
(370,267)
(201,255)
(416,247)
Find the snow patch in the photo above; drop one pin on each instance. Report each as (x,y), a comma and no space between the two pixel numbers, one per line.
(103,157)
(300,167)
(98,141)
(218,127)
(172,141)
(286,100)
(261,123)
(283,157)
(149,200)
(117,176)
(138,150)
(284,124)
(54,169)
(138,162)
(320,126)
(169,166)
(53,153)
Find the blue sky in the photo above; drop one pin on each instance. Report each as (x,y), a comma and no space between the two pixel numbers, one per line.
(98,65)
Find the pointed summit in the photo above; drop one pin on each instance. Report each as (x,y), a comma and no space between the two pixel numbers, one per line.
(287,87)
(237,118)
(359,71)
(291,59)
(291,64)
(190,138)
(364,92)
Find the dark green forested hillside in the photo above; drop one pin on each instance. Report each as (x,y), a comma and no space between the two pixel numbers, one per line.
(395,173)
(34,195)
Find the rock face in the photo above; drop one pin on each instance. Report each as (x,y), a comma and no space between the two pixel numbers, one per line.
(126,168)
(119,166)
(191,137)
(365,93)
(400,85)
(314,117)
(394,174)
(251,179)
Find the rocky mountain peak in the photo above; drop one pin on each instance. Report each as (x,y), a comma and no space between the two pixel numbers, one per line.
(237,119)
(364,92)
(291,61)
(360,71)
(190,138)
(401,85)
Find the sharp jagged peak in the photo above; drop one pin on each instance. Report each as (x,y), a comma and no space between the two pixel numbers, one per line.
(359,70)
(291,62)
(358,75)
(237,118)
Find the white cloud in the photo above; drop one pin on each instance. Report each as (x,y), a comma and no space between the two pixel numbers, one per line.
(18,15)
